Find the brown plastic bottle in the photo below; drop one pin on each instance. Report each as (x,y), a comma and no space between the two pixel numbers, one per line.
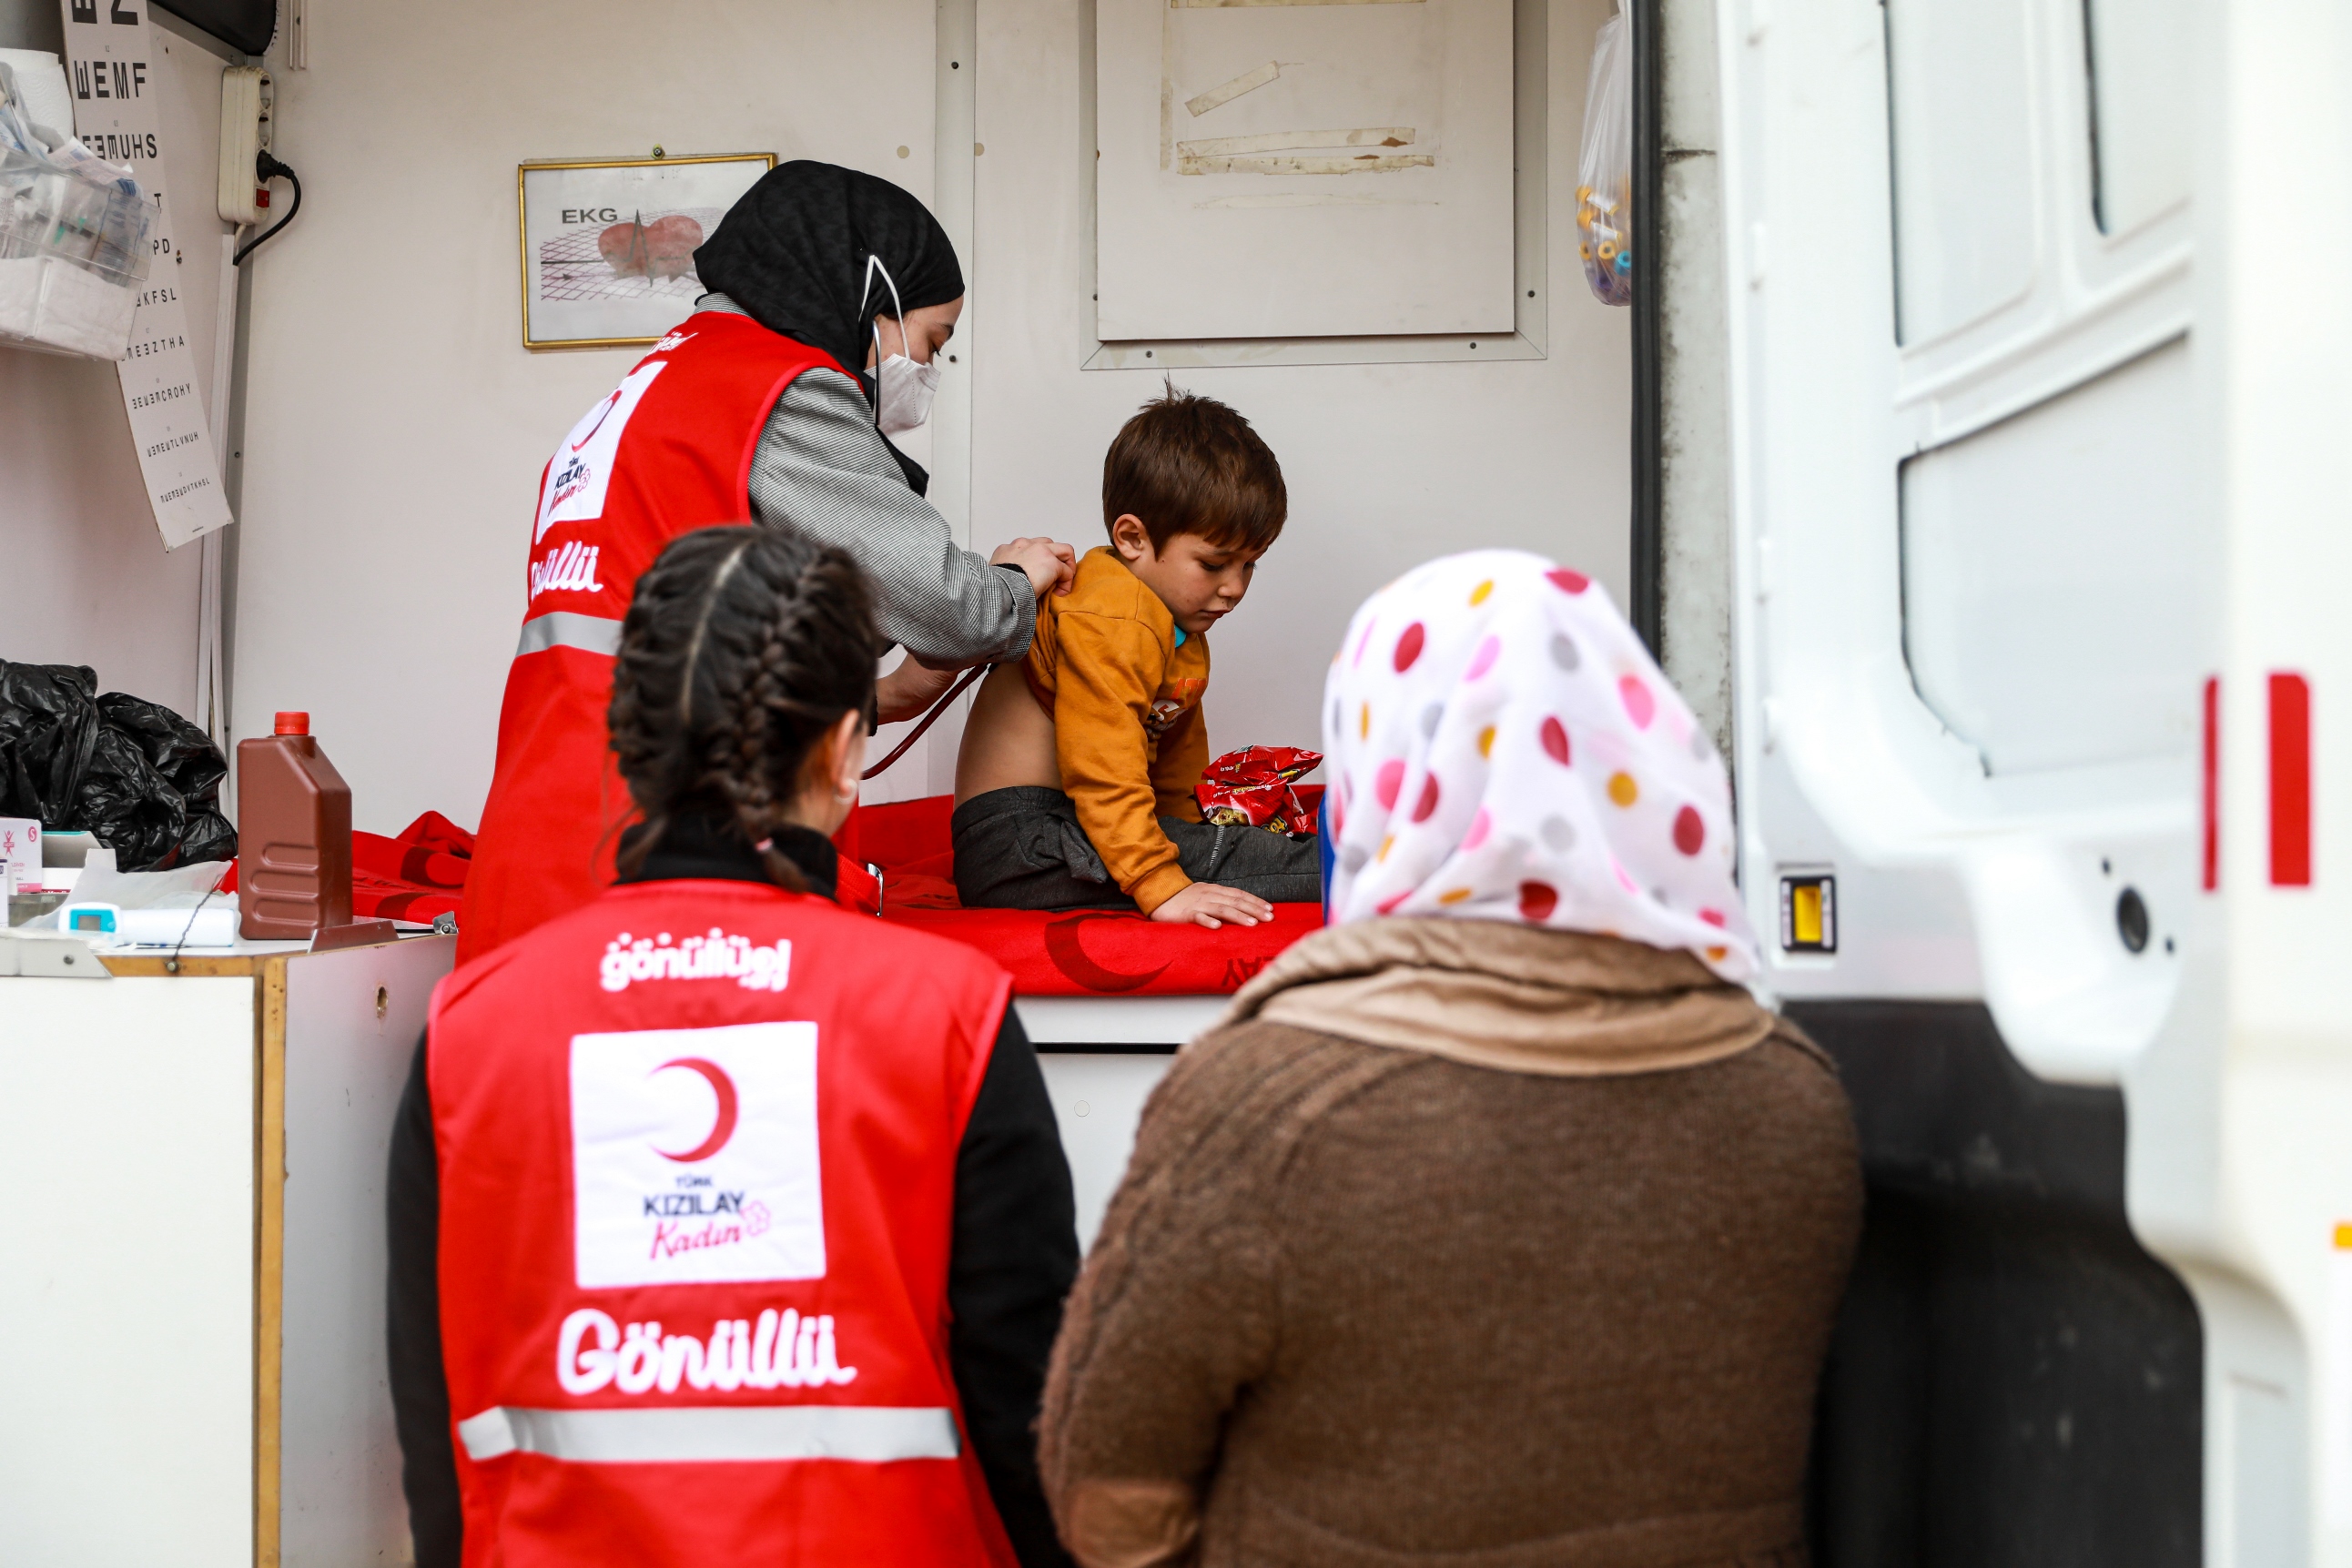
(293,835)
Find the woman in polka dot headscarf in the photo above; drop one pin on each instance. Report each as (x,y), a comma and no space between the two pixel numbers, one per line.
(1496,1218)
(1502,747)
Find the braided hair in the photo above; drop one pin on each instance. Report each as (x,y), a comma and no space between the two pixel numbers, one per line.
(742,646)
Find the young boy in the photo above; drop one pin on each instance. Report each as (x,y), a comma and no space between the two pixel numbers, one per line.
(1074,789)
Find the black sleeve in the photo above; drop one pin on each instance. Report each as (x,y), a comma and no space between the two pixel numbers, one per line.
(420,1387)
(1015,1255)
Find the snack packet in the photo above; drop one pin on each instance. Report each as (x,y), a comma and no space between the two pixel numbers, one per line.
(1253,786)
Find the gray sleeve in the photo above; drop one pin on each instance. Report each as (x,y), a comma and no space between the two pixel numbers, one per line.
(823,468)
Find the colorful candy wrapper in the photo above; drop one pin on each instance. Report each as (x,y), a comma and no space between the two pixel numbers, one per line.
(1253,786)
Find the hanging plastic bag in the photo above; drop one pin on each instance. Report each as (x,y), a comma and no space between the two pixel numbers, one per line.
(1604,169)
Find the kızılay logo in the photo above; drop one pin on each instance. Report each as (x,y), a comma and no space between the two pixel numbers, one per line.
(729,1107)
(581,469)
(695,1155)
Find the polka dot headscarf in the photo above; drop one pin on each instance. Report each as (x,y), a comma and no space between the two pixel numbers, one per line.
(1502,747)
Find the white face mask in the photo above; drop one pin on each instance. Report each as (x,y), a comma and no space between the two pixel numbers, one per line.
(903,389)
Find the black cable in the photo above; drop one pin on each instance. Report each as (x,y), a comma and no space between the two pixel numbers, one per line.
(1648,610)
(266,168)
(172,964)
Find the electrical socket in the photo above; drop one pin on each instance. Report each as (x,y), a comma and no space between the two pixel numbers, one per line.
(246,98)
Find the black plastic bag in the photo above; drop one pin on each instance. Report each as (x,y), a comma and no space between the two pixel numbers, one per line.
(48,727)
(188,763)
(142,779)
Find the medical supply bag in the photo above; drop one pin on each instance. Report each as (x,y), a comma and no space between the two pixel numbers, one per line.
(73,239)
(1604,169)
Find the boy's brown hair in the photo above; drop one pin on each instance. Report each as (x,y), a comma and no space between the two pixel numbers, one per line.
(1187,465)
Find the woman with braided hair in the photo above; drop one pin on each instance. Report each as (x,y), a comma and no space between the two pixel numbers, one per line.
(728,1226)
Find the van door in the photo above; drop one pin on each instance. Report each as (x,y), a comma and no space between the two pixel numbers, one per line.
(2037,368)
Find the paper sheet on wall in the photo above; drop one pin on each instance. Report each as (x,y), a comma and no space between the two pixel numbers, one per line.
(1303,168)
(109,61)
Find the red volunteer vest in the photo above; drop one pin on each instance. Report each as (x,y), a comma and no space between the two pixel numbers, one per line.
(668,452)
(697,1145)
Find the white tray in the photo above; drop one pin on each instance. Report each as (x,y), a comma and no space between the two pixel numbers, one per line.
(55,306)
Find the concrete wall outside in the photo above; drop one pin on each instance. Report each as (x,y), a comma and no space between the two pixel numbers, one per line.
(1693,341)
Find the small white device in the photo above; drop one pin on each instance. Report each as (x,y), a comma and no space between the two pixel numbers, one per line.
(105,923)
(247,101)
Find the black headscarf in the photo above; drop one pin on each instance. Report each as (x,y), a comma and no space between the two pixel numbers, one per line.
(792,252)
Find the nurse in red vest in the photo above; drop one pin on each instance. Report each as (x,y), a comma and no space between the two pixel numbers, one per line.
(727,1227)
(833,294)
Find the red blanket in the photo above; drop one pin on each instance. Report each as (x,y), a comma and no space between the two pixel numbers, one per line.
(1068,953)
(415,876)
(1104,953)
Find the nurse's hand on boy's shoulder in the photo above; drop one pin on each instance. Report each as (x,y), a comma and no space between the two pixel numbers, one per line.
(1047,563)
(1206,903)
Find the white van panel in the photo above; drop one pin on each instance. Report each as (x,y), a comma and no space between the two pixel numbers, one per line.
(2049,566)
(1964,172)
(2142,79)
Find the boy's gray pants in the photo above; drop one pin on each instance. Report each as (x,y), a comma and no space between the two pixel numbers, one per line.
(1022,849)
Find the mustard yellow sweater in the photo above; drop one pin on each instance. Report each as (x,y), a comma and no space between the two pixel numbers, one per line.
(1127,731)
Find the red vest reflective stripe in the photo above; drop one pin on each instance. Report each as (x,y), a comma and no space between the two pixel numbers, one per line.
(697,1145)
(669,450)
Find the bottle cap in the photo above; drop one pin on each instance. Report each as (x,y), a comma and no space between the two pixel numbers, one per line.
(293,724)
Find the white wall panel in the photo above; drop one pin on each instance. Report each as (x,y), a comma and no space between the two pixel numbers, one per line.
(1097,1104)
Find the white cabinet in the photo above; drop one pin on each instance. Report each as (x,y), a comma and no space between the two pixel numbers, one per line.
(194,1164)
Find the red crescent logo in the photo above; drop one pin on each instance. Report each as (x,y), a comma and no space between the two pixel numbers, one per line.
(724,1128)
(611,403)
(1063,946)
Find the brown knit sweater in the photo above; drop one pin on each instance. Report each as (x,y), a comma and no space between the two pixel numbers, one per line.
(1368,1306)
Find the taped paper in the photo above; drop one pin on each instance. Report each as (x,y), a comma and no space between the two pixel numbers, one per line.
(1287,140)
(1226,92)
(1221,129)
(1363,163)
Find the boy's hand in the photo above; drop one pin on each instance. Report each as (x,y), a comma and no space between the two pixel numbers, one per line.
(1206,903)
(1047,563)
